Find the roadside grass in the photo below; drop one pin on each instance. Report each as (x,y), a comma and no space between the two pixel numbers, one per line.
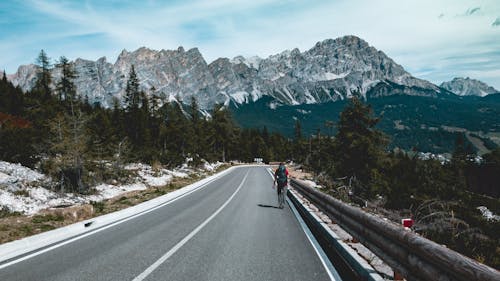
(14,225)
(46,218)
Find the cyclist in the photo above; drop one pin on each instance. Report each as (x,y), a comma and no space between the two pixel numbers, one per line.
(281,179)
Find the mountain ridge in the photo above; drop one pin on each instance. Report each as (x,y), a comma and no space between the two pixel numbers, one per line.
(468,87)
(333,69)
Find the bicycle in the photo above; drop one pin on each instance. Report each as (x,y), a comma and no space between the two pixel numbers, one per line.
(281,195)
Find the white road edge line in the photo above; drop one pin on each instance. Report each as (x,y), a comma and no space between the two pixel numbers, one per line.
(330,269)
(181,243)
(105,227)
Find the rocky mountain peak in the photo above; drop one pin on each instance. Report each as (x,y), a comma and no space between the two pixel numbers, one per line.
(350,41)
(123,54)
(333,69)
(102,60)
(468,87)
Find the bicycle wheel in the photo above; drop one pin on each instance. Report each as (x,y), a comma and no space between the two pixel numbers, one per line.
(281,198)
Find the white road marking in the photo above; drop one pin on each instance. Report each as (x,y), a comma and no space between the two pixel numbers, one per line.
(104,227)
(330,269)
(172,251)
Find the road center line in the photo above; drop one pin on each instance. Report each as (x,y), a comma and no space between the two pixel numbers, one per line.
(172,251)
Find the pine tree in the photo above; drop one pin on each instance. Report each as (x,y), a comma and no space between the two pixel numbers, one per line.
(176,134)
(44,77)
(456,169)
(330,125)
(265,134)
(133,116)
(194,110)
(223,131)
(459,153)
(69,142)
(101,132)
(298,131)
(66,88)
(359,146)
(11,98)
(299,153)
(117,118)
(132,94)
(195,144)
(143,122)
(155,105)
(493,157)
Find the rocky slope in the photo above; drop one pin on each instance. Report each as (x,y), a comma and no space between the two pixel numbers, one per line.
(331,70)
(468,87)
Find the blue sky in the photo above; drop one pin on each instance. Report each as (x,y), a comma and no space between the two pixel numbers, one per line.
(433,40)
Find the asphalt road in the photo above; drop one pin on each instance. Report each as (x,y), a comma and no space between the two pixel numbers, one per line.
(228,230)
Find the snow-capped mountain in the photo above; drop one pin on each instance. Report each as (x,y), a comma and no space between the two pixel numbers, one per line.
(331,70)
(468,87)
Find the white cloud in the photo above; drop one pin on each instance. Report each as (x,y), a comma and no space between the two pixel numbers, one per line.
(418,34)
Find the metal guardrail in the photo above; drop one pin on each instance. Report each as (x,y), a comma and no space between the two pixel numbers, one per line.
(346,262)
(415,257)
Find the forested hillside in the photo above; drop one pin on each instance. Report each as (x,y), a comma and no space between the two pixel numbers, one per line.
(76,143)
(424,124)
(66,137)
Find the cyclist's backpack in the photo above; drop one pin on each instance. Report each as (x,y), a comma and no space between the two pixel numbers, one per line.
(281,175)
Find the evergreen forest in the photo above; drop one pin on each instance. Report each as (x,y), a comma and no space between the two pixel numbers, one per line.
(65,136)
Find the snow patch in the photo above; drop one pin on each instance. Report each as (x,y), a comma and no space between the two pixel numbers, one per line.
(252,62)
(327,76)
(34,197)
(273,105)
(157,181)
(428,156)
(487,214)
(278,76)
(367,85)
(309,98)
(39,198)
(240,97)
(211,166)
(339,95)
(12,173)
(256,94)
(303,111)
(172,98)
(289,95)
(5,178)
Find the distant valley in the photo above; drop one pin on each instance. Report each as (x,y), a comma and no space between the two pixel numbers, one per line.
(412,123)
